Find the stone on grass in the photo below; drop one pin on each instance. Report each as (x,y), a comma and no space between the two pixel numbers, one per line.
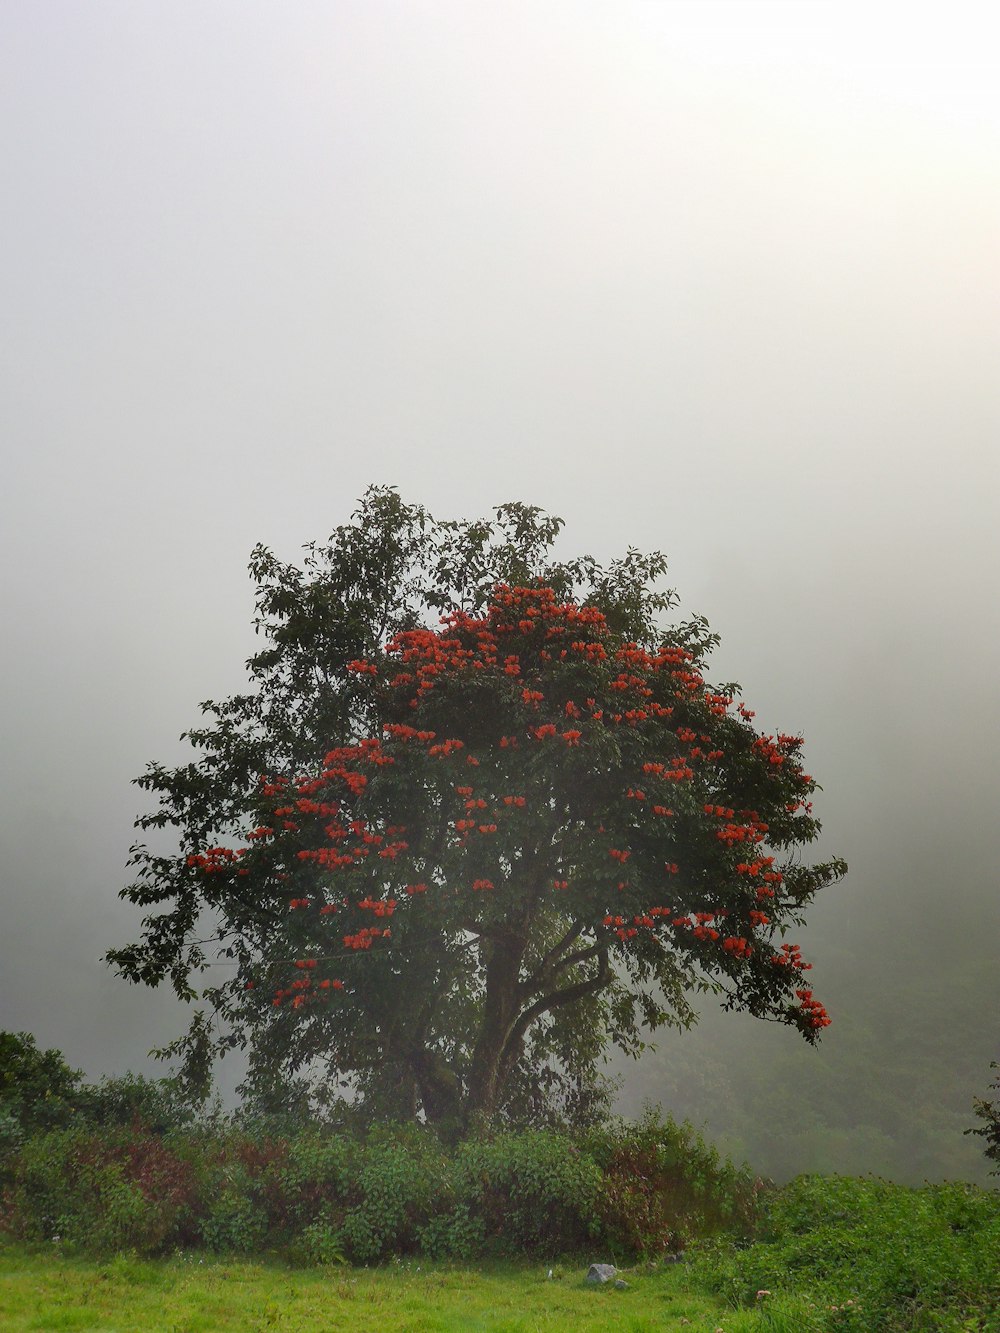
(601,1272)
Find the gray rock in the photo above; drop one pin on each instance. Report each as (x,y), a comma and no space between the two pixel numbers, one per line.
(601,1272)
(621,1284)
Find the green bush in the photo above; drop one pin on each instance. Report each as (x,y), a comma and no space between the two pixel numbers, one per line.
(319,1243)
(662,1184)
(12,1136)
(453,1235)
(231,1220)
(535,1190)
(38,1089)
(404,1177)
(885,1256)
(132,1099)
(989,1113)
(123,1191)
(311,1177)
(318,1195)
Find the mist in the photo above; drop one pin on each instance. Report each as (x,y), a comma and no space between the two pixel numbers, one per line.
(719,279)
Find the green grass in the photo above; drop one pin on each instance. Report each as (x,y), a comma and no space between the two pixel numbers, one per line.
(45,1293)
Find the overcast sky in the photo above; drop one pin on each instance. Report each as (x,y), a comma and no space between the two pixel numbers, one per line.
(716,278)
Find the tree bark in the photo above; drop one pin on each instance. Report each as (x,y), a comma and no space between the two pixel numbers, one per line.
(500,1011)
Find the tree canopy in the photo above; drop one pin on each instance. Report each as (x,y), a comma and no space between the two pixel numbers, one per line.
(479,815)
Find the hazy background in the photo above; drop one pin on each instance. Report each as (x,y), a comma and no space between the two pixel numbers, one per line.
(716,278)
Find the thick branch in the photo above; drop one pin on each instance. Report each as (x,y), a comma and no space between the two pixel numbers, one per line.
(545,1003)
(551,965)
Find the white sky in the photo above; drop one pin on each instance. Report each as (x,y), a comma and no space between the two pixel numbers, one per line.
(717,278)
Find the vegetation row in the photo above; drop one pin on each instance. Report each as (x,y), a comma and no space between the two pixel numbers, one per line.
(324,1195)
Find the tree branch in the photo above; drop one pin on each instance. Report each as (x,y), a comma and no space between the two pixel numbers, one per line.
(545,1003)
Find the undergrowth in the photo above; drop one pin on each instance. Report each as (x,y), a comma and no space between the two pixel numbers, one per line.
(321,1197)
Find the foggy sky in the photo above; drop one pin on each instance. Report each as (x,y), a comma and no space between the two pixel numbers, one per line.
(719,279)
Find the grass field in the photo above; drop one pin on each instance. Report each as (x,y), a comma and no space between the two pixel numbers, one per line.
(42,1292)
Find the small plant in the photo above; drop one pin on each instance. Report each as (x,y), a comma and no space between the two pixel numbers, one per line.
(233,1223)
(989,1113)
(320,1244)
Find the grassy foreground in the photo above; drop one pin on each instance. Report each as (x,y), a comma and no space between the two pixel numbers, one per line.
(40,1292)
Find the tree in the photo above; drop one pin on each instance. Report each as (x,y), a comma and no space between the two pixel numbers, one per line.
(449,862)
(38,1089)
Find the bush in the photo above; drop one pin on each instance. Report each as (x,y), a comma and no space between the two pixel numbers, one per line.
(12,1136)
(989,1113)
(319,1243)
(319,1196)
(155,1104)
(37,1088)
(885,1256)
(404,1178)
(124,1191)
(231,1220)
(530,1191)
(310,1177)
(454,1235)
(662,1185)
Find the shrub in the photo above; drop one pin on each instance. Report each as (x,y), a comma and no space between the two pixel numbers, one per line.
(885,1256)
(310,1178)
(231,1221)
(662,1185)
(132,1099)
(989,1113)
(124,1191)
(454,1235)
(322,1195)
(319,1243)
(12,1136)
(404,1178)
(37,1088)
(529,1191)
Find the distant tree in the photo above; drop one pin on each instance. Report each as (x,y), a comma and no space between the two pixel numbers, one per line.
(38,1089)
(479,816)
(989,1113)
(133,1099)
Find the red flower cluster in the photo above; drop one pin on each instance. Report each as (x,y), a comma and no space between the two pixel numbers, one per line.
(738,946)
(813,1012)
(363,939)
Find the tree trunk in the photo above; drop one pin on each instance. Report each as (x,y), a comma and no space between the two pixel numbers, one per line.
(500,1012)
(438,1086)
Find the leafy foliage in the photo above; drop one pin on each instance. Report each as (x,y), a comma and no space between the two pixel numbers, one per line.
(104,1192)
(663,1184)
(38,1089)
(872,1254)
(323,1197)
(989,1113)
(448,865)
(128,1099)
